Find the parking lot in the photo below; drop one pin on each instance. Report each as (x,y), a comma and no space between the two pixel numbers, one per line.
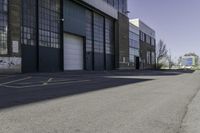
(95,101)
(28,88)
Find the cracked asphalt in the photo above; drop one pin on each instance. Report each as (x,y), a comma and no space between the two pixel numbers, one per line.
(104,102)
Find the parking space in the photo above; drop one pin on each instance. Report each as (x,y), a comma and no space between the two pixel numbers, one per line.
(71,101)
(50,79)
(37,81)
(23,89)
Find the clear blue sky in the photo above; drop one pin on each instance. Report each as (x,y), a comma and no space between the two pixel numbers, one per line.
(177,22)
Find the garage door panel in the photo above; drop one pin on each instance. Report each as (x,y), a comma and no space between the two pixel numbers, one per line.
(74,47)
(74,59)
(73,52)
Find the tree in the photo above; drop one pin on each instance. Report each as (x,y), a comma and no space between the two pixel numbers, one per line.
(169,58)
(162,53)
(180,61)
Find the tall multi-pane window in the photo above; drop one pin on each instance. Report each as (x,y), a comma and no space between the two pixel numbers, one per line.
(3,26)
(89,40)
(133,46)
(148,39)
(98,33)
(49,23)
(116,4)
(124,10)
(123,6)
(98,41)
(28,29)
(153,42)
(109,44)
(148,57)
(153,59)
(88,31)
(142,36)
(111,2)
(120,5)
(109,36)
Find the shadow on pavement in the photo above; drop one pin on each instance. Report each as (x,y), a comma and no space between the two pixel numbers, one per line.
(96,81)
(11,97)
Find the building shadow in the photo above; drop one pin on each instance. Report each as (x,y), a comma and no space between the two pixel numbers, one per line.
(96,81)
(11,97)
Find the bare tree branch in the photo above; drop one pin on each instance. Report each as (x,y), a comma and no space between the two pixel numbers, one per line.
(162,51)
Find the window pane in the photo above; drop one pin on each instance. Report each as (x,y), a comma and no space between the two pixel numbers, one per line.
(49,23)
(3,26)
(28,30)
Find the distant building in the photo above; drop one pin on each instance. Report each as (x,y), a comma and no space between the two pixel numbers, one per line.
(134,47)
(147,44)
(188,61)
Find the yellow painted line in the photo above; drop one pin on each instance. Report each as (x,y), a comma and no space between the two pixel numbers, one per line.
(13,81)
(42,85)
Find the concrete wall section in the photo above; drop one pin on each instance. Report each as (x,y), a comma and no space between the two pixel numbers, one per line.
(123,41)
(10,64)
(14,28)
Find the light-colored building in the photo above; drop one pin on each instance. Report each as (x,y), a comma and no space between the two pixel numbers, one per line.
(147,44)
(134,47)
(188,61)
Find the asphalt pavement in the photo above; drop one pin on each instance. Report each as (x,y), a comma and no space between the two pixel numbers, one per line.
(97,102)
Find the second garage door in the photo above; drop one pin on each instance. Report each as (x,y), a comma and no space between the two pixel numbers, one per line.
(73,52)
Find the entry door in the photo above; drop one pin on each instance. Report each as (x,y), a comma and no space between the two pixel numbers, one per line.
(137,61)
(29,58)
(73,52)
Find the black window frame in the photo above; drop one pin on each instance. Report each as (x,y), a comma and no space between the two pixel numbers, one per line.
(4,27)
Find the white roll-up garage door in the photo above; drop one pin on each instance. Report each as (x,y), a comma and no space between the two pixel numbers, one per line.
(73,52)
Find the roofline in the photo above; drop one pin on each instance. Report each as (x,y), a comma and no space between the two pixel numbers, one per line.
(140,21)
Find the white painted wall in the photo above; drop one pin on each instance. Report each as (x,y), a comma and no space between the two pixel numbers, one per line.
(10,64)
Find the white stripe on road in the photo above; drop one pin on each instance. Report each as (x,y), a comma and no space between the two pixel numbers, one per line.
(42,85)
(14,81)
(49,80)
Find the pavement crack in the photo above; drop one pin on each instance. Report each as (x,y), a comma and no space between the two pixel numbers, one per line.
(186,110)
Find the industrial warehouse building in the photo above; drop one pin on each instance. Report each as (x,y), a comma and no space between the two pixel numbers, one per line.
(59,35)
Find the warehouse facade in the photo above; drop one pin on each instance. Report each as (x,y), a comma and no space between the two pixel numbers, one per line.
(58,35)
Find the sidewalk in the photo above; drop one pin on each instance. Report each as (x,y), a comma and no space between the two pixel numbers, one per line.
(191,122)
